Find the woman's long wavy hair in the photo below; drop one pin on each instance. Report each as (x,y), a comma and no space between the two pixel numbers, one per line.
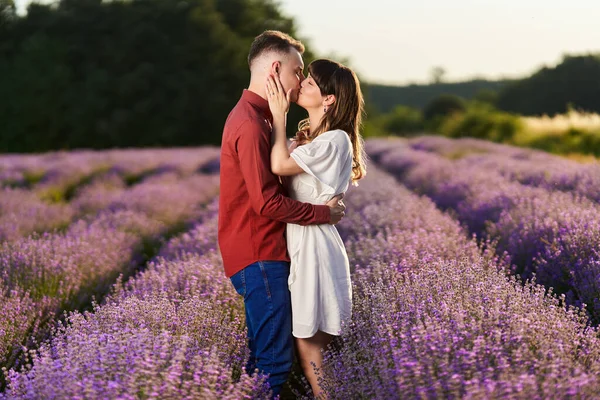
(346,113)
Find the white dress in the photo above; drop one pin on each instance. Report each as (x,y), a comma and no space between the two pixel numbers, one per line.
(319,279)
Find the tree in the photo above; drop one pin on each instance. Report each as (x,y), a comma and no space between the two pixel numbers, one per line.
(403,120)
(8,14)
(8,10)
(437,74)
(444,105)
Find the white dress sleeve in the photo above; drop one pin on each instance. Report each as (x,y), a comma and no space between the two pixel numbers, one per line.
(322,159)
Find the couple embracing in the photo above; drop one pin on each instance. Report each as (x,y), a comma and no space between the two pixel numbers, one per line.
(279,206)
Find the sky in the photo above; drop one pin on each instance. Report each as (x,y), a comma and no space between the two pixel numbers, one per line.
(399,41)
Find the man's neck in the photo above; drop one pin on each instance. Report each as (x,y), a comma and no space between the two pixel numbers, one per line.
(258,88)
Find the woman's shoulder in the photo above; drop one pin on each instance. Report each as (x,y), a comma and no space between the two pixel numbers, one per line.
(337,136)
(333,132)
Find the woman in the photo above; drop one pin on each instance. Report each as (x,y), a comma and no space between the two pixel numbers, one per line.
(327,155)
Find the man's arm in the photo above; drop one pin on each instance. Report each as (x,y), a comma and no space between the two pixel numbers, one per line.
(253,149)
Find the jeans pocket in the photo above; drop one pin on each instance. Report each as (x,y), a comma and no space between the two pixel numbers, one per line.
(275,276)
(239,283)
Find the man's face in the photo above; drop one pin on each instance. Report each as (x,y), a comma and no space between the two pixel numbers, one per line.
(290,72)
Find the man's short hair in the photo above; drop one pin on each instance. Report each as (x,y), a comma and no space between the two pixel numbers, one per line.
(273,41)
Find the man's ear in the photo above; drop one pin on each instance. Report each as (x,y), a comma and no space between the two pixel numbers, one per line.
(276,67)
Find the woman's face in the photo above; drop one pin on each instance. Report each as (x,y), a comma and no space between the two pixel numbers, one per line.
(310,95)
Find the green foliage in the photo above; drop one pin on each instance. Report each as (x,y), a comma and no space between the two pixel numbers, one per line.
(94,74)
(371,124)
(573,141)
(440,108)
(444,105)
(482,122)
(403,120)
(385,98)
(452,117)
(486,96)
(8,12)
(574,82)
(372,128)
(31,107)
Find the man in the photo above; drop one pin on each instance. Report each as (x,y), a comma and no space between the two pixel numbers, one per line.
(253,210)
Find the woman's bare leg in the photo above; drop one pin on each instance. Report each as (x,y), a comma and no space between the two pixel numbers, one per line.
(309,351)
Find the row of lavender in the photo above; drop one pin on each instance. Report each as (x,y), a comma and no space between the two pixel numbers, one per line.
(45,192)
(526,166)
(175,331)
(112,230)
(434,317)
(553,234)
(64,168)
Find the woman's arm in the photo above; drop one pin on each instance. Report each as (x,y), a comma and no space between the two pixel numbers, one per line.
(279,103)
(281,162)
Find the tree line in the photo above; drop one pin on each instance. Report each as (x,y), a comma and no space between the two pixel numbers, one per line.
(99,74)
(132,73)
(572,84)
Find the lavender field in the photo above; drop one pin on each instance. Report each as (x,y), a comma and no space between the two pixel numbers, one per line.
(476,275)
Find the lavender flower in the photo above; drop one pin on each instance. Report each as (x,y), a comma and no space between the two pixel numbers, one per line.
(544,230)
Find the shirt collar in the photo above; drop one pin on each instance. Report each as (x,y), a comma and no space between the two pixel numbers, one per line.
(258,102)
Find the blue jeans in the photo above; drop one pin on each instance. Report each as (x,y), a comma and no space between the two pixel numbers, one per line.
(264,286)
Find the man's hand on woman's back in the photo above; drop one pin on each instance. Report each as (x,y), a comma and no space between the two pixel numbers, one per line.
(336,209)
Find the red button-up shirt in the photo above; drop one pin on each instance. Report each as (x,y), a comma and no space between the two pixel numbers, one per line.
(253,208)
